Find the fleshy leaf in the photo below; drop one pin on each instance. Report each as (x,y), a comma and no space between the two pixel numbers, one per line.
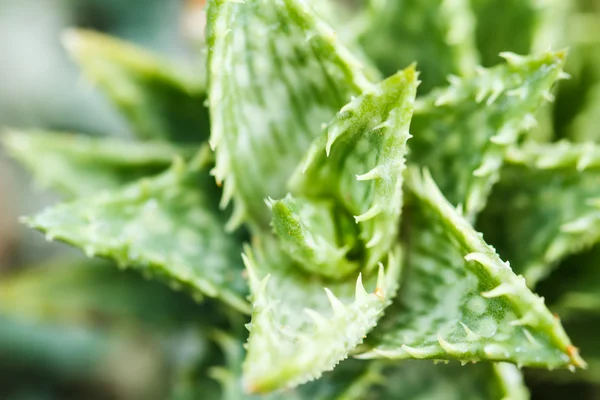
(158,99)
(82,165)
(308,232)
(460,132)
(359,159)
(301,325)
(168,227)
(424,380)
(553,194)
(351,380)
(460,301)
(437,34)
(276,74)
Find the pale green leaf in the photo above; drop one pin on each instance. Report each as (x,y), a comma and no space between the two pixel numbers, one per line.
(351,380)
(586,125)
(169,227)
(302,325)
(80,165)
(437,34)
(552,192)
(276,74)
(359,159)
(160,100)
(460,301)
(316,235)
(460,132)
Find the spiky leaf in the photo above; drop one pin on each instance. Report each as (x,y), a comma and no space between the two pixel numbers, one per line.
(460,301)
(81,165)
(552,192)
(169,227)
(302,325)
(276,73)
(359,159)
(460,132)
(160,100)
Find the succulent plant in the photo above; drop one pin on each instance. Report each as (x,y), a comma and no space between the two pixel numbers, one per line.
(302,183)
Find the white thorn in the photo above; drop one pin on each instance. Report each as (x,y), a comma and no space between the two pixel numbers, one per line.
(504,289)
(374,240)
(360,292)
(512,58)
(448,347)
(375,173)
(371,213)
(470,334)
(317,318)
(337,306)
(414,352)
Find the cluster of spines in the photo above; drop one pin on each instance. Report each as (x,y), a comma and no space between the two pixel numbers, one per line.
(367,307)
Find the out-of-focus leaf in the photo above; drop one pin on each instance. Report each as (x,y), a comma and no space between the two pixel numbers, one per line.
(168,227)
(437,34)
(81,165)
(158,99)
(92,292)
(541,26)
(586,125)
(359,159)
(460,301)
(424,380)
(552,193)
(276,74)
(460,132)
(298,329)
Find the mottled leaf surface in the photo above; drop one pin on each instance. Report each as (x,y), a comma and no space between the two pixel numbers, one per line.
(351,380)
(359,159)
(302,325)
(460,301)
(552,193)
(79,165)
(169,227)
(460,132)
(159,100)
(437,34)
(276,74)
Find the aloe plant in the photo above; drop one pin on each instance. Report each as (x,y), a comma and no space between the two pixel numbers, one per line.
(309,187)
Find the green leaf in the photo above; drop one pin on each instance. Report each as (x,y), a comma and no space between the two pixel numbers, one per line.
(81,165)
(437,34)
(460,132)
(541,26)
(552,192)
(586,125)
(300,330)
(85,292)
(424,380)
(359,159)
(351,380)
(276,74)
(168,227)
(160,100)
(460,301)
(308,232)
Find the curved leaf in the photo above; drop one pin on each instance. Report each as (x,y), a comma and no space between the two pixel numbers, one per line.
(276,74)
(359,159)
(81,165)
(169,227)
(301,325)
(461,131)
(552,192)
(158,99)
(460,301)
